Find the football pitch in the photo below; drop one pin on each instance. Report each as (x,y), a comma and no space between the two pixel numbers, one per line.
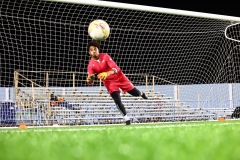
(211,140)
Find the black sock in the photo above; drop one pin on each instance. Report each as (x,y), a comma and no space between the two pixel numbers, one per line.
(135,92)
(117,99)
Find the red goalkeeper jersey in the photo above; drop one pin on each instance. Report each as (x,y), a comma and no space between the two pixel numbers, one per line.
(112,82)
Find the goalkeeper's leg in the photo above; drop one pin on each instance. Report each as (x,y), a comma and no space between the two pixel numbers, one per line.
(117,99)
(135,92)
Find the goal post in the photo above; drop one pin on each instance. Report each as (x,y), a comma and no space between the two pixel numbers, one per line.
(187,62)
(232,32)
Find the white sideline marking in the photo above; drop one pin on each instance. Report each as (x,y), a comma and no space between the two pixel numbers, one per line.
(104,127)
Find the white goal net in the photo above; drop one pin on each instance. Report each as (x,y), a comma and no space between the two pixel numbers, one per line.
(186,62)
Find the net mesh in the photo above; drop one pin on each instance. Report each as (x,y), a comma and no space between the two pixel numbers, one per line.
(44,46)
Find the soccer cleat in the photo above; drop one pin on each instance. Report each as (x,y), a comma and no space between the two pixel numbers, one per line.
(128,122)
(144,96)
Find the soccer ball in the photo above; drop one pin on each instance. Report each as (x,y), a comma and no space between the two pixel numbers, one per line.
(98,30)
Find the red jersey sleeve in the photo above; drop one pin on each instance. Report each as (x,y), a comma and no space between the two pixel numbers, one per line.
(90,68)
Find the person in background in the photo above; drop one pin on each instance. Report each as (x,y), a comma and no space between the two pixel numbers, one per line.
(53,100)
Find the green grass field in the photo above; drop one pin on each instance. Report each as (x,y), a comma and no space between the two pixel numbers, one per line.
(211,140)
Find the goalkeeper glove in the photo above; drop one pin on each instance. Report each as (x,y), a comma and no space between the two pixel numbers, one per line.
(90,79)
(104,75)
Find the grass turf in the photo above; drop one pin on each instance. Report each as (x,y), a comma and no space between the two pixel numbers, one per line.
(211,140)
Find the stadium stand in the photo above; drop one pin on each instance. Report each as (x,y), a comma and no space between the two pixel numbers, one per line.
(82,107)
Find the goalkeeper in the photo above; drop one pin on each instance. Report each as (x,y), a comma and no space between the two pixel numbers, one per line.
(112,76)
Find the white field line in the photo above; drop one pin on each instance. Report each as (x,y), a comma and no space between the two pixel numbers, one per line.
(103,128)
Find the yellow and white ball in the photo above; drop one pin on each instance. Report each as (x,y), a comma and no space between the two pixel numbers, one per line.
(99,30)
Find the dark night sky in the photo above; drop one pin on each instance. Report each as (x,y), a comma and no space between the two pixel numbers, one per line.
(229,8)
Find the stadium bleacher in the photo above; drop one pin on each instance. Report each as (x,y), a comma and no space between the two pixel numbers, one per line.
(83,107)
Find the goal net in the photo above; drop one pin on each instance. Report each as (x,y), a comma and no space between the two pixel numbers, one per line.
(184,61)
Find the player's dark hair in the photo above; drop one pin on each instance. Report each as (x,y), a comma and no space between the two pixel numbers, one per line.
(93,43)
